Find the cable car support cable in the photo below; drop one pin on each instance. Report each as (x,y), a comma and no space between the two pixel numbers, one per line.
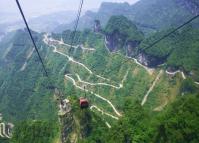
(76,24)
(35,46)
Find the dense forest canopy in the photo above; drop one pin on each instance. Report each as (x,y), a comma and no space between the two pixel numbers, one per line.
(35,132)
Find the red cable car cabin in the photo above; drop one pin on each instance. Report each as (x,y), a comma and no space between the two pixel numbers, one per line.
(83,102)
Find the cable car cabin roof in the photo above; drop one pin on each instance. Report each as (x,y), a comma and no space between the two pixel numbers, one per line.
(83,103)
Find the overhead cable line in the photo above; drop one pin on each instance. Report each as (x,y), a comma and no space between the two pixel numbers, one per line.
(76,24)
(35,46)
(173,31)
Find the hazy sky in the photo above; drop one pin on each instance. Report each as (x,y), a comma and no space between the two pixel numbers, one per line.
(40,7)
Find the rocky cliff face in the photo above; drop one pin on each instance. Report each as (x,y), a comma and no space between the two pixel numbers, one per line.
(97,26)
(131,50)
(112,42)
(148,60)
(142,57)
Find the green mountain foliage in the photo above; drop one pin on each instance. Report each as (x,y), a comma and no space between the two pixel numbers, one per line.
(177,124)
(124,27)
(161,14)
(35,132)
(24,93)
(188,87)
(2,140)
(90,125)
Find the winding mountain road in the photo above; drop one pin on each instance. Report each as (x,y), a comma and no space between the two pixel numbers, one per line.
(103,113)
(151,88)
(182,73)
(160,108)
(46,41)
(108,125)
(3,131)
(105,84)
(75,47)
(72,60)
(149,70)
(174,73)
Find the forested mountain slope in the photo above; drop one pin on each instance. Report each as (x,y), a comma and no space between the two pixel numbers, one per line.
(36,132)
(161,14)
(23,87)
(176,124)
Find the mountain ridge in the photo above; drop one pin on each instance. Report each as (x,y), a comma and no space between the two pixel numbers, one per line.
(147,15)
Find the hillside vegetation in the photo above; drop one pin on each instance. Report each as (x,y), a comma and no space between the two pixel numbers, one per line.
(24,90)
(124,95)
(177,124)
(125,27)
(35,132)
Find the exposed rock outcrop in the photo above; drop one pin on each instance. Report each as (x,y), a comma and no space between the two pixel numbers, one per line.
(148,60)
(65,116)
(113,43)
(97,26)
(132,48)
